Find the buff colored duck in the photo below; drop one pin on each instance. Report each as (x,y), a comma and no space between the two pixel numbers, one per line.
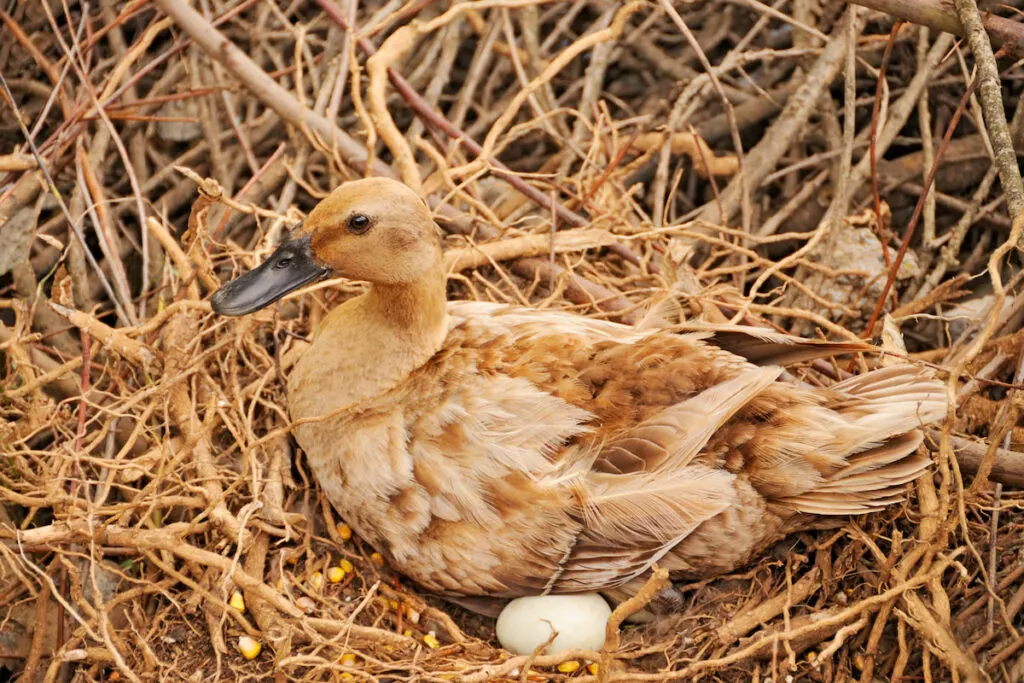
(491,452)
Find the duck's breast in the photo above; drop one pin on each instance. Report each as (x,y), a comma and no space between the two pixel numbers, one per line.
(459,474)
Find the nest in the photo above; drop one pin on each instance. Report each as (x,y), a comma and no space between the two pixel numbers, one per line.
(583,155)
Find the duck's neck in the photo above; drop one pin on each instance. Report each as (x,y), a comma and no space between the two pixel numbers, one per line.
(417,312)
(370,344)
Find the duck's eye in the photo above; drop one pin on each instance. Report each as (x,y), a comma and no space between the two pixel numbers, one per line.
(358,223)
(283,262)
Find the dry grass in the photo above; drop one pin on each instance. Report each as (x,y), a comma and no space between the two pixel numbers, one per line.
(581,155)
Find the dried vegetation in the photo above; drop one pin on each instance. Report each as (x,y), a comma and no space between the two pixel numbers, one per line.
(579,153)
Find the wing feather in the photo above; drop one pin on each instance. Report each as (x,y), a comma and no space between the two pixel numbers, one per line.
(631,521)
(763,346)
(881,410)
(671,439)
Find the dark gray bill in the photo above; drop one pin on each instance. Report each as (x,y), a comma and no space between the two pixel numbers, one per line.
(287,269)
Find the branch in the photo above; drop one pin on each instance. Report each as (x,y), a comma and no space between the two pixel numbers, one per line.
(655,584)
(742,624)
(263,86)
(114,339)
(789,126)
(990,90)
(510,248)
(1007,468)
(935,14)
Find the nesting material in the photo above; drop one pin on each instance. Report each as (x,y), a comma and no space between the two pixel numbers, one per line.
(148,466)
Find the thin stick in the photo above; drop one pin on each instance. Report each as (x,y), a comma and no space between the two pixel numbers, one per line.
(263,86)
(740,625)
(654,585)
(113,339)
(990,88)
(918,208)
(75,227)
(880,88)
(935,14)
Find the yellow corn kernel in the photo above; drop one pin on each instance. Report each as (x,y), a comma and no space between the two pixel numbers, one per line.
(858,661)
(393,604)
(412,615)
(592,668)
(407,633)
(431,640)
(346,565)
(346,676)
(249,647)
(377,558)
(348,659)
(316,580)
(569,667)
(345,531)
(335,574)
(237,601)
(812,655)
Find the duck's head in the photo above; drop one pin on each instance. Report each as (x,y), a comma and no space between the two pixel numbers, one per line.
(376,229)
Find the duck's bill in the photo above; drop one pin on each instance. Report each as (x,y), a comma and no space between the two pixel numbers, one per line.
(288,268)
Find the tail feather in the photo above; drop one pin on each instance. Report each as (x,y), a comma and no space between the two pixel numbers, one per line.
(901,383)
(849,504)
(883,409)
(890,457)
(886,403)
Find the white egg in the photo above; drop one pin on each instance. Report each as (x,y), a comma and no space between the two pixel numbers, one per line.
(579,620)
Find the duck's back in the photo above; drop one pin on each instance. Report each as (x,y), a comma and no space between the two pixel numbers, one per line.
(541,451)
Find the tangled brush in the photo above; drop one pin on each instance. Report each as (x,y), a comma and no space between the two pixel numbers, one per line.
(816,168)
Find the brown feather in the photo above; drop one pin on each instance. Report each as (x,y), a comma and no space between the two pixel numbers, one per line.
(762,346)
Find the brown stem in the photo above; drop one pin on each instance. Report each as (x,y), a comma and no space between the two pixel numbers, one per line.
(891,279)
(935,14)
(990,92)
(35,652)
(655,584)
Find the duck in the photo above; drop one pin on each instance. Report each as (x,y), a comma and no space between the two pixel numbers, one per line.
(492,451)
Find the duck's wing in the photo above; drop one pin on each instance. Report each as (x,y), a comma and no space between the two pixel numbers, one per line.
(509,418)
(674,437)
(758,345)
(682,429)
(617,373)
(763,346)
(645,493)
(745,462)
